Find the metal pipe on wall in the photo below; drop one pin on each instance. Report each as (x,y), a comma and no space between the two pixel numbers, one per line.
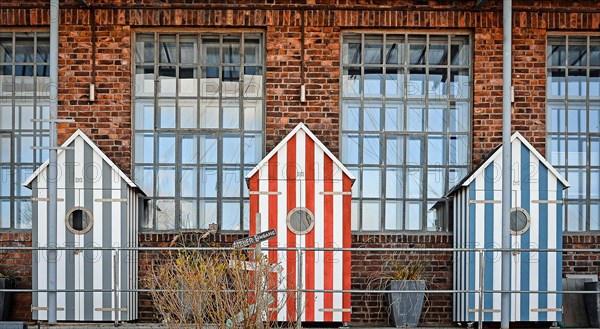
(52,170)
(506,160)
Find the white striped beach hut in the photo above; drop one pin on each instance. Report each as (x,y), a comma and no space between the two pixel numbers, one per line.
(536,223)
(98,206)
(303,191)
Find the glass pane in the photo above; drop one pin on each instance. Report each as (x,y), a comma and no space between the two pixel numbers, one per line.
(438,50)
(252,148)
(189,182)
(460,87)
(576,116)
(394,82)
(231,74)
(416,51)
(166,114)
(5,175)
(210,50)
(393,215)
(594,187)
(208,213)
(372,119)
(394,183)
(414,183)
(459,150)
(595,216)
(246,215)
(577,83)
(231,149)
(188,114)
(166,148)
(413,215)
(208,149)
(350,115)
(394,49)
(231,50)
(23,145)
(144,115)
(351,82)
(6,117)
(557,150)
(416,83)
(253,115)
(21,175)
(356,187)
(4,214)
(231,114)
(373,81)
(594,92)
(231,182)
(209,113)
(252,50)
(436,150)
(414,151)
(351,50)
(594,51)
(144,81)
(556,117)
(436,117)
(350,150)
(253,81)
(436,180)
(435,213)
(460,51)
(371,182)
(208,182)
(168,49)
(556,83)
(5,148)
(577,178)
(595,151)
(416,118)
(373,49)
(23,214)
(455,175)
(165,214)
(371,216)
(188,81)
(188,49)
(189,210)
(355,213)
(166,81)
(189,149)
(166,181)
(394,116)
(144,178)
(557,53)
(395,150)
(576,217)
(577,52)
(23,117)
(577,151)
(230,216)
(459,118)
(438,83)
(371,149)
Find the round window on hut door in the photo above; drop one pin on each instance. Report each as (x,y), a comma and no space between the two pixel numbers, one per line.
(519,221)
(79,220)
(300,220)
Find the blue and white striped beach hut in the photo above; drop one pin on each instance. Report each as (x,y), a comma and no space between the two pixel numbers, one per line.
(536,222)
(98,206)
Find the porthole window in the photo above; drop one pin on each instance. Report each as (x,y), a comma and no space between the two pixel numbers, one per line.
(79,220)
(300,220)
(519,221)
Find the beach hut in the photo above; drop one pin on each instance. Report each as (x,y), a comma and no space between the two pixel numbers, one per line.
(98,207)
(536,222)
(303,191)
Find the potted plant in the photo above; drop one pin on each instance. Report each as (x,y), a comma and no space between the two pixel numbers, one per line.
(405,307)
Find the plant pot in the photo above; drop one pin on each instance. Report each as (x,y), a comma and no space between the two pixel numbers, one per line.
(592,303)
(405,307)
(6,297)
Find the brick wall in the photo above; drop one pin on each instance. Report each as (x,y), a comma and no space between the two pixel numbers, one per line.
(17,264)
(108,119)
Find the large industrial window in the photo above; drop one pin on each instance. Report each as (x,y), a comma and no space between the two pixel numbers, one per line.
(24,86)
(406,103)
(198,126)
(573,125)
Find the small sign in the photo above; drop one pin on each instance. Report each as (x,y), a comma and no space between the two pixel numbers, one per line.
(262,236)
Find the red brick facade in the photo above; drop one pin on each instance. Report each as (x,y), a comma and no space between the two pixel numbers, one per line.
(108,119)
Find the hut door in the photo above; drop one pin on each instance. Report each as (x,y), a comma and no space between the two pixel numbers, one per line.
(519,226)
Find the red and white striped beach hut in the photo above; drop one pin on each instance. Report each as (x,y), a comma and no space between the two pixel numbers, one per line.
(303,191)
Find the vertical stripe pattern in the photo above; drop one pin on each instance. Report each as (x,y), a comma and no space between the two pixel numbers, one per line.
(87,180)
(302,174)
(478,222)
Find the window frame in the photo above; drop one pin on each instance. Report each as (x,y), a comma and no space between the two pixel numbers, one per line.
(196,132)
(38,100)
(404,68)
(567,102)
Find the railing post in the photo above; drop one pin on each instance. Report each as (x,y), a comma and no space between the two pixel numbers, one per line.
(481,286)
(116,286)
(299,287)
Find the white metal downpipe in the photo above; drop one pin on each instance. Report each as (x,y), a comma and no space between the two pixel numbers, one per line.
(506,160)
(52,170)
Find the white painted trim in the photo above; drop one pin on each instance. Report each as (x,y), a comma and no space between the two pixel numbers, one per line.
(94,147)
(284,142)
